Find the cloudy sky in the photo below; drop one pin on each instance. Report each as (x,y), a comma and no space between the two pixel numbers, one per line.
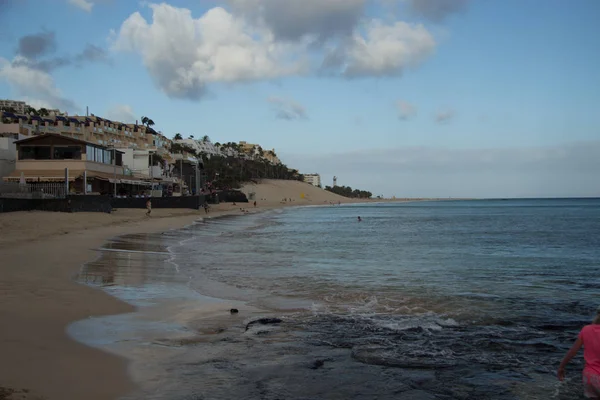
(480,98)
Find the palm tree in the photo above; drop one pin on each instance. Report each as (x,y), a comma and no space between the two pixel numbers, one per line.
(147,121)
(42,112)
(205,138)
(191,137)
(177,136)
(31,111)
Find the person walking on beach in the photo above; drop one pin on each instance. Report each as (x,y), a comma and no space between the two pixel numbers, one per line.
(148,207)
(254,203)
(589,338)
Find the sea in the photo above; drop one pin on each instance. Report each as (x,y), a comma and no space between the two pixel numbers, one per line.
(423,300)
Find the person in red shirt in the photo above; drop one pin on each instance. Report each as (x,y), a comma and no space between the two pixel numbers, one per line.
(589,338)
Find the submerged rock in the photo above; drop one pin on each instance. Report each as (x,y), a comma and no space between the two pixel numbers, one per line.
(317,364)
(264,321)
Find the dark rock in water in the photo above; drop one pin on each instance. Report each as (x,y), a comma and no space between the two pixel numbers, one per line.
(317,364)
(264,321)
(234,311)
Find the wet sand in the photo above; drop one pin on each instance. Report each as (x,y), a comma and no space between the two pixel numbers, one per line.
(41,252)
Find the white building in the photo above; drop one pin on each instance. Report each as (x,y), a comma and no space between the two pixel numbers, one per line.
(8,152)
(18,106)
(313,179)
(205,147)
(138,161)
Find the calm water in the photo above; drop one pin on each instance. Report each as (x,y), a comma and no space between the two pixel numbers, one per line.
(465,300)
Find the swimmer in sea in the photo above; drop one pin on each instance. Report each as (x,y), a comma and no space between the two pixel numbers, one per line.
(359,219)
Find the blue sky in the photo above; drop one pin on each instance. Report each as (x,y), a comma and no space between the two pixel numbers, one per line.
(495,85)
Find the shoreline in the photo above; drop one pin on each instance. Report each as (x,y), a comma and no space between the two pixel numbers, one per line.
(39,359)
(42,299)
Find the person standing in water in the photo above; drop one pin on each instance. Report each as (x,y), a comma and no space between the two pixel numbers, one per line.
(589,338)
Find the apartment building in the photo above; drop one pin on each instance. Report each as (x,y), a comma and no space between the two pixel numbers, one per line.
(136,144)
(313,179)
(254,150)
(200,146)
(272,157)
(44,158)
(17,106)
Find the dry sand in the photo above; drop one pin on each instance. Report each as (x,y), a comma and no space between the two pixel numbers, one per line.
(40,252)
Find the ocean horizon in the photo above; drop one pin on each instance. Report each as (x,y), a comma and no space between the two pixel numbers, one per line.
(420,300)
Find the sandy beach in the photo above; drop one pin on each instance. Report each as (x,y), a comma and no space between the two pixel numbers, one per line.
(41,252)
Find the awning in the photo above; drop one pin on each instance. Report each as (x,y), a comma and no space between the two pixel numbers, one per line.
(43,175)
(59,176)
(119,179)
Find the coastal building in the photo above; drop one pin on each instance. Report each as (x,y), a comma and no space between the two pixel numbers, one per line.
(248,148)
(313,179)
(89,128)
(138,142)
(8,152)
(270,156)
(200,146)
(13,105)
(255,150)
(91,167)
(146,155)
(186,167)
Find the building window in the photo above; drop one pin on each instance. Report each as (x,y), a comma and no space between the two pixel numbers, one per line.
(35,153)
(67,153)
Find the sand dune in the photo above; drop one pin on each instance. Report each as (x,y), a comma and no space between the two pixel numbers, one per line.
(273,191)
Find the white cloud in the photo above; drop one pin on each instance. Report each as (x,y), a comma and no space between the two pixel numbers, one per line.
(405,110)
(85,5)
(183,54)
(28,81)
(36,103)
(386,50)
(121,113)
(268,39)
(287,109)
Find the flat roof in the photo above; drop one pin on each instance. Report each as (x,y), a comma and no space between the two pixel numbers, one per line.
(70,139)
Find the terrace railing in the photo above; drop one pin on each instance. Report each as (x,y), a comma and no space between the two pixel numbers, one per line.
(55,190)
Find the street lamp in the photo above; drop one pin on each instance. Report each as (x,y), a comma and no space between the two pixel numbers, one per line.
(114,162)
(115,171)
